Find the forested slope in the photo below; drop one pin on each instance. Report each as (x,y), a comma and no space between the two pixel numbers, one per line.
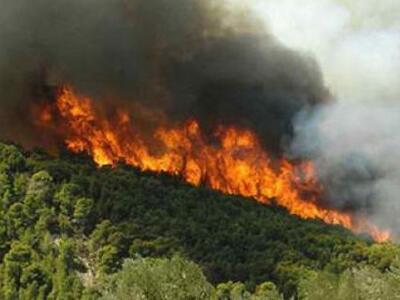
(66,228)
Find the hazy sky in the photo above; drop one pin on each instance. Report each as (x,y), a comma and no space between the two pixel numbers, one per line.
(355,141)
(356,42)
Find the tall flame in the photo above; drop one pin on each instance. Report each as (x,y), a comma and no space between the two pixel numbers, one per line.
(235,163)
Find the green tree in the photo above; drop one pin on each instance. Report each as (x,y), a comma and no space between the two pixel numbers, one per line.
(237,291)
(15,263)
(67,197)
(104,234)
(366,283)
(108,259)
(158,279)
(40,186)
(82,209)
(66,284)
(231,291)
(5,191)
(11,159)
(266,291)
(35,283)
(16,220)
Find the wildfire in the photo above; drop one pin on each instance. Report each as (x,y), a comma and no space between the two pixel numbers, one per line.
(234,163)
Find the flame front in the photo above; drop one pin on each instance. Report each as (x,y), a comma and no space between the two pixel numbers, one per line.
(235,163)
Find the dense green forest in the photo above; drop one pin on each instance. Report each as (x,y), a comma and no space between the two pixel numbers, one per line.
(69,230)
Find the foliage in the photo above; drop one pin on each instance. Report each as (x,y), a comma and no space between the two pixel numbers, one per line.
(66,228)
(155,278)
(365,283)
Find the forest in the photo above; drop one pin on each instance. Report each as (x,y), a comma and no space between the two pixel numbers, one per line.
(71,230)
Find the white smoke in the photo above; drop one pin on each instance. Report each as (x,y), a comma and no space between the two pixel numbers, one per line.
(354,141)
(357,43)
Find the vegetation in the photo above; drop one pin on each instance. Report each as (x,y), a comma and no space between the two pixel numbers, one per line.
(71,231)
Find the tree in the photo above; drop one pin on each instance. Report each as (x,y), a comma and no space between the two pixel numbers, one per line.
(104,234)
(266,291)
(67,197)
(11,159)
(82,209)
(66,284)
(15,220)
(158,279)
(15,263)
(231,291)
(366,283)
(5,191)
(40,186)
(108,259)
(35,283)
(237,291)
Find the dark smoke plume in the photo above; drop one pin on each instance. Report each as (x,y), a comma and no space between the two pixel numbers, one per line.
(186,58)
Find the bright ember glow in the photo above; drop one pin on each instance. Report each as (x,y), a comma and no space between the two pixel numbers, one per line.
(235,163)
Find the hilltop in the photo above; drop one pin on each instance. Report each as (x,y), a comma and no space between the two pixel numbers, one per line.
(67,228)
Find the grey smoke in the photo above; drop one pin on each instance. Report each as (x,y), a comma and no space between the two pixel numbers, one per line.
(355,149)
(355,139)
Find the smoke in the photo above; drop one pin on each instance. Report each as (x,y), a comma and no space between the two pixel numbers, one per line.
(355,140)
(211,60)
(253,64)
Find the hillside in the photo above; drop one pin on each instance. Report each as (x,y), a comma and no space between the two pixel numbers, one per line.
(67,226)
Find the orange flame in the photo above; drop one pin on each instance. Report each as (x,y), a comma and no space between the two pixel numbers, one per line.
(235,164)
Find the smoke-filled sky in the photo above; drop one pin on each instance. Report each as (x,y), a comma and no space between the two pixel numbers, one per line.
(206,59)
(355,42)
(325,72)
(355,140)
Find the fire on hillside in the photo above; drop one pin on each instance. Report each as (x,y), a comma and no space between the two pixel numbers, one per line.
(232,160)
